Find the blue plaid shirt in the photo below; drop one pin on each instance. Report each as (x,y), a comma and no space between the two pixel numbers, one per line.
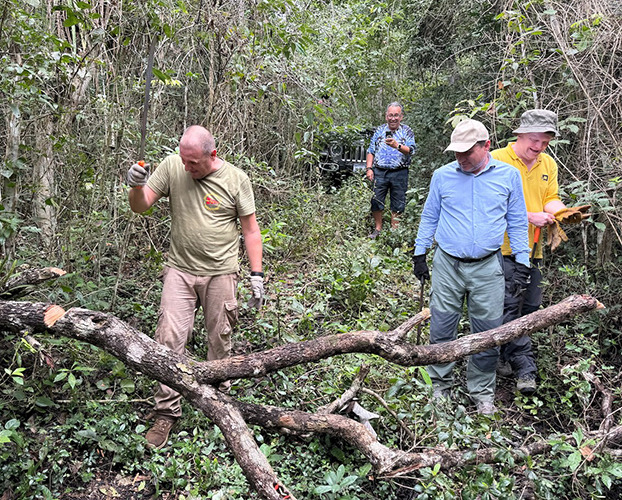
(387,157)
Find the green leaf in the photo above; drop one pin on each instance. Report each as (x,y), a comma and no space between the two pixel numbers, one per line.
(71,20)
(338,453)
(127,385)
(425,375)
(606,480)
(103,384)
(322,489)
(161,75)
(88,433)
(44,402)
(364,470)
(12,424)
(574,460)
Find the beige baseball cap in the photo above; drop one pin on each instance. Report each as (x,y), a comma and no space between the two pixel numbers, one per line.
(537,120)
(466,134)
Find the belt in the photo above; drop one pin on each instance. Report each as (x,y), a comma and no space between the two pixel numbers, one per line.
(390,169)
(468,260)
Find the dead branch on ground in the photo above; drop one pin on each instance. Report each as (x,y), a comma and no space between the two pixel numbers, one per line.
(194,380)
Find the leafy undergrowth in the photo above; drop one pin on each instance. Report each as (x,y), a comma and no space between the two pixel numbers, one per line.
(73,417)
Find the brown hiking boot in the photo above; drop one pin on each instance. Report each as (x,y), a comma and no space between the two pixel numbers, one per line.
(157,436)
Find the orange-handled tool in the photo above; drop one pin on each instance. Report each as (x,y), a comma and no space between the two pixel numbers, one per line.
(536,238)
(140,163)
(143,118)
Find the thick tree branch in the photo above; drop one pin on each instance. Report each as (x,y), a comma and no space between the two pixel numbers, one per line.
(390,345)
(191,378)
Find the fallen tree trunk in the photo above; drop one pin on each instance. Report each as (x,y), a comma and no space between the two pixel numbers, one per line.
(21,283)
(193,379)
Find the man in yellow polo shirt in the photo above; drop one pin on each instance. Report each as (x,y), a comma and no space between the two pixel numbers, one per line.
(539,175)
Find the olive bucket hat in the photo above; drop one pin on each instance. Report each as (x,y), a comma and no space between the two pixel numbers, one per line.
(537,120)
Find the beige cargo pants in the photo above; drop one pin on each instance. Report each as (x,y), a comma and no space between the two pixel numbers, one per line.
(181,295)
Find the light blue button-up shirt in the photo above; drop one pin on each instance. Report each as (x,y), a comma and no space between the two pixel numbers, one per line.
(468,214)
(387,157)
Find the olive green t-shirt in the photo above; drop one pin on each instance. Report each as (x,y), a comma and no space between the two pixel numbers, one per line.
(204,234)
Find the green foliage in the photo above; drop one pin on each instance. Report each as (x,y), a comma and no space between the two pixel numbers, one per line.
(273,81)
(337,483)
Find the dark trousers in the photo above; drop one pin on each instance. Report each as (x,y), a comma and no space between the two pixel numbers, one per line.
(519,352)
(394,182)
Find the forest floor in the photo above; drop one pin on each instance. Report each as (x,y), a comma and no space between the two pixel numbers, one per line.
(109,484)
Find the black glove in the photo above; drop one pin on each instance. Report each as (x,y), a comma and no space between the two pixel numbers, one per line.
(521,279)
(420,267)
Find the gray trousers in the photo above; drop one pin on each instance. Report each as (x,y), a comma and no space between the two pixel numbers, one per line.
(481,284)
(519,352)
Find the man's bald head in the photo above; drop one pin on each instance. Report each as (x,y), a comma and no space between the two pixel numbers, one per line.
(197,137)
(197,150)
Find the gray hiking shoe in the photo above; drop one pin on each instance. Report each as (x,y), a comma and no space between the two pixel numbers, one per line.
(374,234)
(486,408)
(157,436)
(526,386)
(504,369)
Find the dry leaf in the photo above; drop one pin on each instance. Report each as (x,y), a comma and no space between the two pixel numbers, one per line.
(587,453)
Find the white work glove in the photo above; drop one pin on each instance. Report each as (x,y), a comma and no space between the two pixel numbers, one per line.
(256,300)
(137,175)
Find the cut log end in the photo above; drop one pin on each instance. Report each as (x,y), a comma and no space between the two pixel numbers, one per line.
(57,271)
(52,315)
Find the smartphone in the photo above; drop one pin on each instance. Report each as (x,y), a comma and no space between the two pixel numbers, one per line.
(388,134)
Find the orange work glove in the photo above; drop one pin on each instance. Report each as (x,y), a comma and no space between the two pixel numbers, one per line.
(572,215)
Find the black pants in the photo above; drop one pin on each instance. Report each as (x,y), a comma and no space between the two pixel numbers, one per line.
(519,352)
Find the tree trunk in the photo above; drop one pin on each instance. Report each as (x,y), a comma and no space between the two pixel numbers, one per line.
(192,379)
(43,173)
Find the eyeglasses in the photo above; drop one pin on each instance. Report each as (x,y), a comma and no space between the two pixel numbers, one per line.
(394,115)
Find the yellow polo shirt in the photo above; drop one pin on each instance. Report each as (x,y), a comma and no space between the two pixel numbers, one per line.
(539,187)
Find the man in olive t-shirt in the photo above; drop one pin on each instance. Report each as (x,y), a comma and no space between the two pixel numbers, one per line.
(207,197)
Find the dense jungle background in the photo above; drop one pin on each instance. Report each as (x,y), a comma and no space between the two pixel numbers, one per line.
(274,80)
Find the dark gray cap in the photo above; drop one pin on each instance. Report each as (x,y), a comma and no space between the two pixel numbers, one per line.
(537,120)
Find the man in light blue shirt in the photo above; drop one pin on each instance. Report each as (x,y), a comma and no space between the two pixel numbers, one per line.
(388,158)
(472,202)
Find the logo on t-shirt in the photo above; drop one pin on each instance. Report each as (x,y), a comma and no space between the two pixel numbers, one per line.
(211,202)
(545,177)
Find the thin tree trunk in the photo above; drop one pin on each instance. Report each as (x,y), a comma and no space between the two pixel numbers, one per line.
(44,180)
